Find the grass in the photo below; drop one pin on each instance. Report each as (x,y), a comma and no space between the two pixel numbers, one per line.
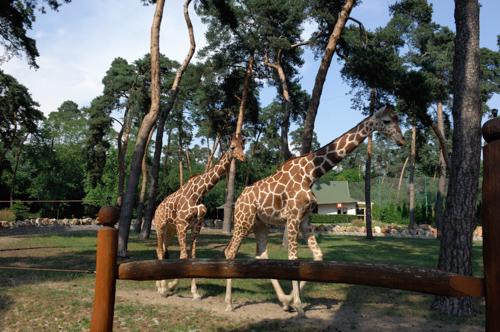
(37,300)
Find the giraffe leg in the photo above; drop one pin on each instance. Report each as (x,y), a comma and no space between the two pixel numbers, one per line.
(293,229)
(161,250)
(202,210)
(182,227)
(306,230)
(243,222)
(261,232)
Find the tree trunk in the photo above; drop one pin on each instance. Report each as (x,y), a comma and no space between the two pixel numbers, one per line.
(122,139)
(188,162)
(455,254)
(155,170)
(401,175)
(167,150)
(174,89)
(368,172)
(142,136)
(142,193)
(229,205)
(212,153)
(438,208)
(285,123)
(180,163)
(411,174)
(321,76)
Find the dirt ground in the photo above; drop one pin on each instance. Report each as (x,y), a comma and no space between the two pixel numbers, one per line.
(324,315)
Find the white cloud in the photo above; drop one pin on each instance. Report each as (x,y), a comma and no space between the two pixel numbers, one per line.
(78,43)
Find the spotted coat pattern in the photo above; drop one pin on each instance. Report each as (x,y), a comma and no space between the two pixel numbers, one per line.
(184,210)
(286,197)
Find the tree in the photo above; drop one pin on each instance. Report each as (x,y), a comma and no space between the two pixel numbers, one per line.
(20,116)
(329,50)
(171,99)
(460,208)
(124,85)
(146,126)
(16,17)
(96,144)
(233,42)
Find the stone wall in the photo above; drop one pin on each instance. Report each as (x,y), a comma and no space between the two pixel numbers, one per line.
(40,222)
(393,230)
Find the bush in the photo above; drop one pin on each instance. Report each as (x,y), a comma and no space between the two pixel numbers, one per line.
(21,211)
(332,218)
(389,214)
(7,215)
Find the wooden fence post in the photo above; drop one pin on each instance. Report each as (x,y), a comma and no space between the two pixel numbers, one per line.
(106,271)
(491,222)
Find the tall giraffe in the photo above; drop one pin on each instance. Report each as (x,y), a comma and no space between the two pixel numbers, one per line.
(184,209)
(285,197)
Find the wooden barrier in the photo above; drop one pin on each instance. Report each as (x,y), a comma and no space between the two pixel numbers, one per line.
(413,279)
(106,271)
(491,222)
(428,281)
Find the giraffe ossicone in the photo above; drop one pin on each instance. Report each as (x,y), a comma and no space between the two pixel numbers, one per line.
(286,198)
(184,209)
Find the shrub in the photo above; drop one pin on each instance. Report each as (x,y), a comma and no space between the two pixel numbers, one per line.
(332,218)
(21,211)
(7,215)
(358,222)
(388,214)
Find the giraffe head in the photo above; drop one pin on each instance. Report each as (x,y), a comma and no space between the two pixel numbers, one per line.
(387,123)
(236,148)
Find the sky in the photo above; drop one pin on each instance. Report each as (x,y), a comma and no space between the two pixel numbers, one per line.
(78,43)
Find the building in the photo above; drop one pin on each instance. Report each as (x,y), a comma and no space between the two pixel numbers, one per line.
(334,198)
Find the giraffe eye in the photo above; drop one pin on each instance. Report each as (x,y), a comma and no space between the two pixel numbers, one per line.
(387,122)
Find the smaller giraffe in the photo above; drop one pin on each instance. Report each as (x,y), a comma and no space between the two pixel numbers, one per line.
(184,209)
(286,198)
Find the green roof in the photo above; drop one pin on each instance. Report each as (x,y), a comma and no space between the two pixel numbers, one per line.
(332,192)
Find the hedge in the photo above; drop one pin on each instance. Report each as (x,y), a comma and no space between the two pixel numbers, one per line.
(332,218)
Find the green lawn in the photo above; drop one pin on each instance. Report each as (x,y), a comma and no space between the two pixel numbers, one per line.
(36,300)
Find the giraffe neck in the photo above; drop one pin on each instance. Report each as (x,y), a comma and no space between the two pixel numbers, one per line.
(331,154)
(210,178)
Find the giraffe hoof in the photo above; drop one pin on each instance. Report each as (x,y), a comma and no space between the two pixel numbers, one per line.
(286,307)
(196,297)
(299,310)
(229,308)
(165,292)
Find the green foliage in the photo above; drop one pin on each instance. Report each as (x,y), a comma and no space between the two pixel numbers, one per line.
(99,125)
(19,116)
(332,218)
(387,214)
(20,210)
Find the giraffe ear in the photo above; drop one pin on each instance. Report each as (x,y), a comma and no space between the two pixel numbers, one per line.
(383,111)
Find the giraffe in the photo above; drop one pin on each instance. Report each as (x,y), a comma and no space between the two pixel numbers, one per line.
(286,198)
(184,209)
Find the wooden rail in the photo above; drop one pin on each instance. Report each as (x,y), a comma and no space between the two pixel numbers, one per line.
(428,281)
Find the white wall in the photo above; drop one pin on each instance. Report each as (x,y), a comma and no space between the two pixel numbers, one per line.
(332,208)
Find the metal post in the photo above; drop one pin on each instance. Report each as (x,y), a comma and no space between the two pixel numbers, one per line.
(491,222)
(106,271)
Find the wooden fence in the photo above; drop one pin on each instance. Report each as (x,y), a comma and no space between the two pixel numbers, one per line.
(428,281)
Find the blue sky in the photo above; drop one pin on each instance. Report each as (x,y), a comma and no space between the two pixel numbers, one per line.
(78,43)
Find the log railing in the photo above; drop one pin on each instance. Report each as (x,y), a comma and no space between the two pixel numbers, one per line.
(428,281)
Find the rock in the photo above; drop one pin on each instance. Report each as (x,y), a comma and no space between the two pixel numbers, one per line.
(377,230)
(218,223)
(478,232)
